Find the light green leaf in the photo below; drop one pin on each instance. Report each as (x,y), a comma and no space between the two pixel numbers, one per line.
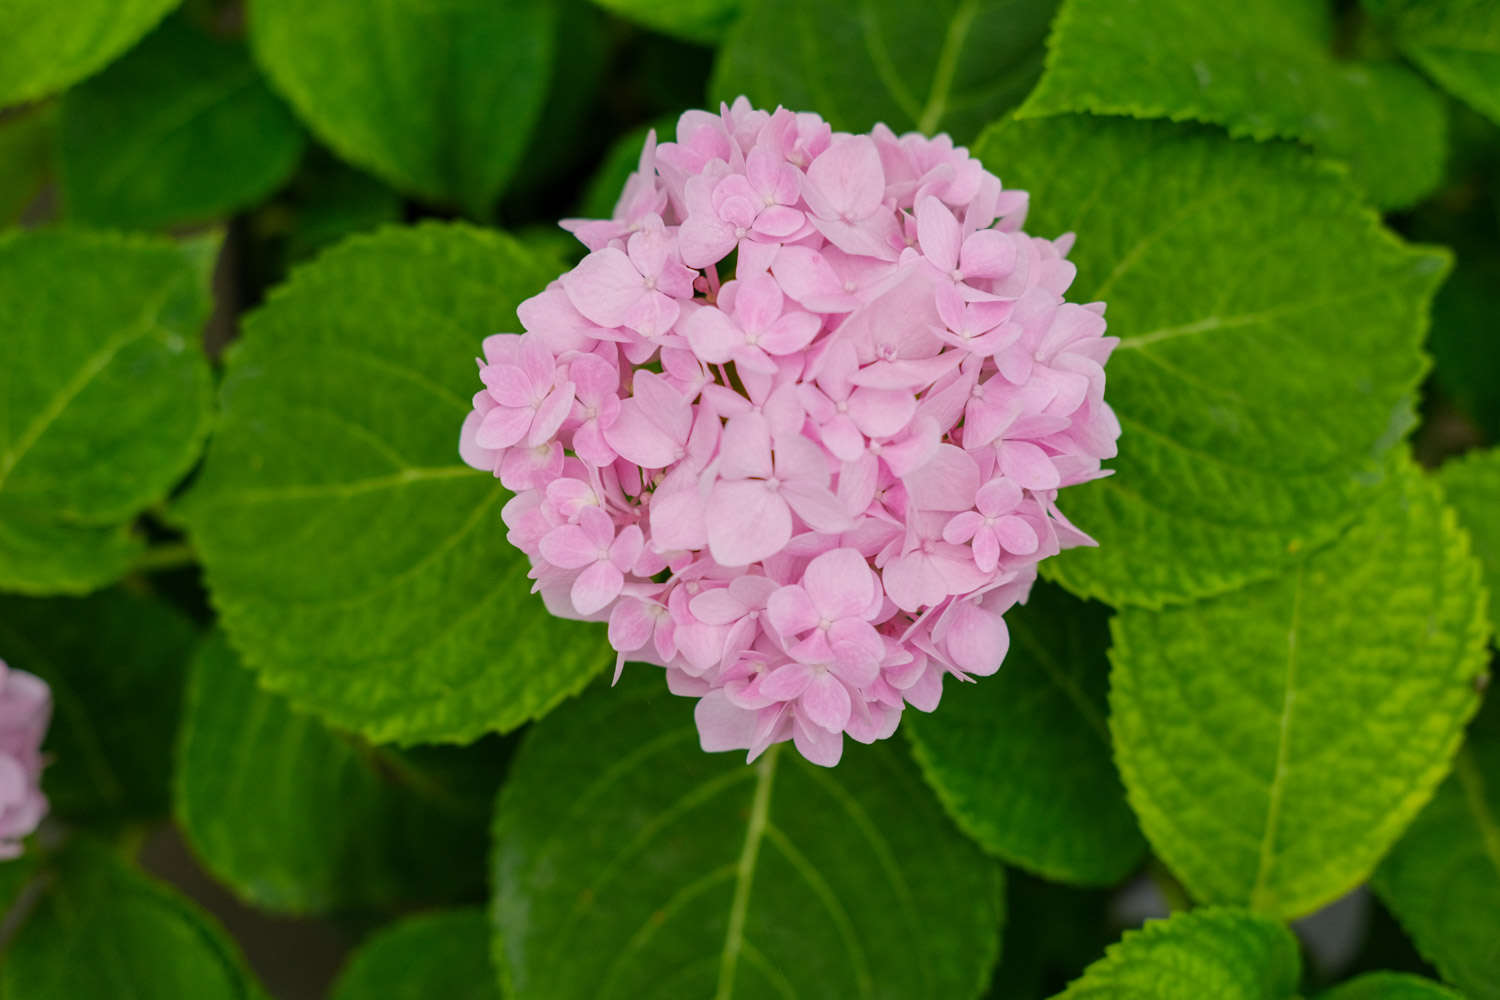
(104,397)
(116,663)
(949,65)
(630,864)
(104,930)
(437,98)
(1260,68)
(1456,42)
(1389,986)
(437,955)
(182,129)
(1276,741)
(1472,486)
(1221,953)
(298,818)
(1258,391)
(50,45)
(1022,759)
(702,21)
(1442,880)
(25,159)
(357,564)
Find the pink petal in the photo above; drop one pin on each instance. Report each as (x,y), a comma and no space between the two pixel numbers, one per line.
(817,744)
(1016,535)
(987,254)
(948,481)
(630,626)
(551,414)
(806,276)
(841,584)
(938,233)
(791,333)
(1028,465)
(604,286)
(818,506)
(826,702)
(469,449)
(746,522)
(509,385)
(721,725)
(975,640)
(882,412)
(635,438)
(791,612)
(846,181)
(569,547)
(745,447)
(961,527)
(717,607)
(596,587)
(503,426)
(786,682)
(713,335)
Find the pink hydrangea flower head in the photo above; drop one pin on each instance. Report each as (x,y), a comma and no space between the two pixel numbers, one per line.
(797,425)
(25,710)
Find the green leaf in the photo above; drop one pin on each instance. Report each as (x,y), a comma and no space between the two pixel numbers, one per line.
(182,129)
(1472,486)
(437,98)
(116,663)
(1270,346)
(50,46)
(628,863)
(25,159)
(1456,42)
(104,398)
(1221,953)
(298,818)
(1442,880)
(1055,931)
(434,955)
(1022,759)
(357,564)
(1275,742)
(948,65)
(1389,986)
(105,930)
(1262,69)
(702,21)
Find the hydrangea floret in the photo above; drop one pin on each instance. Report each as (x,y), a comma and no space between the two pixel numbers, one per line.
(25,710)
(797,424)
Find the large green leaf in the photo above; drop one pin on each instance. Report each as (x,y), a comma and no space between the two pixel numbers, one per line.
(26,142)
(296,817)
(1472,486)
(104,930)
(50,45)
(1221,953)
(703,21)
(1270,346)
(1022,760)
(180,130)
(1260,68)
(1389,986)
(104,397)
(357,564)
(116,663)
(438,98)
(1442,880)
(630,864)
(1276,741)
(948,65)
(437,955)
(1457,42)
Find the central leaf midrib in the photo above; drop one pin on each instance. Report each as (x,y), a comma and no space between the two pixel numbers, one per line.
(755,831)
(1266,859)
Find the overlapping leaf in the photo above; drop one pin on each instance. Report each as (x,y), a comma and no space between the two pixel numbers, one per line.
(1271,333)
(438,99)
(180,130)
(50,46)
(1276,741)
(1457,42)
(1022,760)
(26,142)
(1389,986)
(947,66)
(437,955)
(356,563)
(703,21)
(1260,68)
(1472,486)
(628,863)
(1442,880)
(297,818)
(104,397)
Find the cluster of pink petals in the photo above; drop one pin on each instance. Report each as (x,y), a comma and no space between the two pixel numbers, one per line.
(25,710)
(797,424)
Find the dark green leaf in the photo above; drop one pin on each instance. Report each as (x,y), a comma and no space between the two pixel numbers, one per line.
(104,930)
(630,864)
(25,159)
(358,565)
(1220,953)
(1389,986)
(437,955)
(437,98)
(116,663)
(182,129)
(703,21)
(1457,42)
(50,45)
(1258,392)
(296,817)
(1022,759)
(948,65)
(1472,486)
(1260,68)
(1276,741)
(104,397)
